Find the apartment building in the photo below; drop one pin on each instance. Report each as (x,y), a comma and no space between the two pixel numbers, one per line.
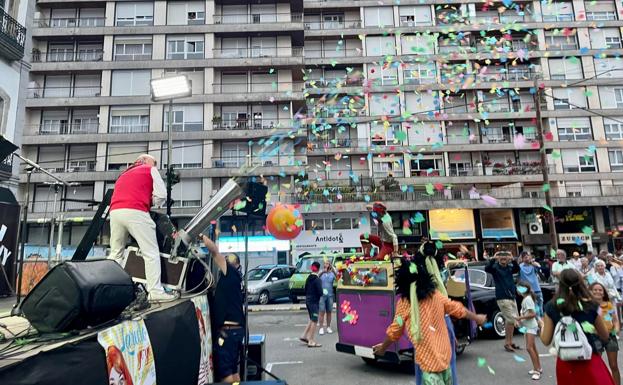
(12,41)
(428,106)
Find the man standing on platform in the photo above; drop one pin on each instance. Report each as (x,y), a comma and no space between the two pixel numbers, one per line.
(228,315)
(386,241)
(136,189)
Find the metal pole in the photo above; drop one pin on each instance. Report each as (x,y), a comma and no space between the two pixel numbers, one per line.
(169,156)
(59,243)
(544,166)
(22,245)
(245,352)
(52,225)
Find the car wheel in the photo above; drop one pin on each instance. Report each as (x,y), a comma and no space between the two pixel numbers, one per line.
(263,298)
(499,325)
(294,299)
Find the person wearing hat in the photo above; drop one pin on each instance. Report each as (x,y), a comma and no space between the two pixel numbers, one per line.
(575,260)
(386,240)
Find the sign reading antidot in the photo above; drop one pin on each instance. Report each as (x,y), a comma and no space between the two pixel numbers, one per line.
(328,239)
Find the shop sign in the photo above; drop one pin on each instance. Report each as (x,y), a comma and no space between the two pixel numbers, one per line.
(449,224)
(328,239)
(574,238)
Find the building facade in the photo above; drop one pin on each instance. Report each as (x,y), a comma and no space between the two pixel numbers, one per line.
(426,105)
(12,66)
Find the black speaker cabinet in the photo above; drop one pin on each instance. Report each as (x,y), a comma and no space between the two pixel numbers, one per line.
(257,356)
(74,295)
(173,271)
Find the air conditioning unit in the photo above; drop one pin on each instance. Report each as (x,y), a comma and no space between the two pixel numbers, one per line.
(535,227)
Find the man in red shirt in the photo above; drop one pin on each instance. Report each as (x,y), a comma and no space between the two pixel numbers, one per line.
(136,190)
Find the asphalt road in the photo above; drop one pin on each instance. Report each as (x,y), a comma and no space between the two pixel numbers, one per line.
(287,358)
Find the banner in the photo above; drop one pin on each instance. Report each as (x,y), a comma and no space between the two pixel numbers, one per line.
(129,356)
(9,225)
(206,370)
(498,223)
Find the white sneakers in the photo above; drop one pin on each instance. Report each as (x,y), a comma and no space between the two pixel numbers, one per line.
(322,331)
(162,296)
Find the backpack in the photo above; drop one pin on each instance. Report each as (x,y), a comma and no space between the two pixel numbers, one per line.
(570,342)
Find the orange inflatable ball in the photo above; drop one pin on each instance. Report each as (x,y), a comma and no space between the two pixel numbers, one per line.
(284,222)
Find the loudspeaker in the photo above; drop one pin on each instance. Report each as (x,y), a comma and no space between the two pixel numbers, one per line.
(74,295)
(257,356)
(173,272)
(256,199)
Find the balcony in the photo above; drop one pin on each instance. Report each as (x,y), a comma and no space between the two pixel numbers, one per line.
(61,205)
(331,25)
(63,92)
(55,56)
(67,129)
(251,123)
(332,53)
(259,18)
(12,37)
(263,52)
(128,128)
(70,22)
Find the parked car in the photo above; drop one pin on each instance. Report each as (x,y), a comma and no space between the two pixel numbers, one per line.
(303,268)
(483,296)
(268,282)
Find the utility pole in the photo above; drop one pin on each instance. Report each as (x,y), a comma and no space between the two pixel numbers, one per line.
(544,165)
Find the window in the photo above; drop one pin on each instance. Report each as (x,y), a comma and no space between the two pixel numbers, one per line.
(569,98)
(186,154)
(185,47)
(234,154)
(123,155)
(84,121)
(614,128)
(605,38)
(609,68)
(185,13)
(234,47)
(187,193)
(81,158)
(384,104)
(195,75)
(574,129)
(132,48)
(383,168)
(333,21)
(417,44)
(575,161)
(382,75)
(587,163)
(134,14)
(380,45)
(557,11)
(618,97)
(54,122)
(556,42)
(263,46)
(561,69)
(52,158)
(426,167)
(611,97)
(130,83)
(126,120)
(419,73)
(382,135)
(415,15)
(616,160)
(185,118)
(379,16)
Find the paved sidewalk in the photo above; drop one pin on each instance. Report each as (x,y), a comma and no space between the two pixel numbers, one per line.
(277,307)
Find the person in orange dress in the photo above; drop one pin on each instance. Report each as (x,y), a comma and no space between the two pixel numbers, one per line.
(420,313)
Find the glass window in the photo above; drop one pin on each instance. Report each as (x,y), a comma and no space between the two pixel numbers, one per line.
(257,274)
(614,128)
(379,16)
(134,14)
(616,160)
(131,83)
(366,277)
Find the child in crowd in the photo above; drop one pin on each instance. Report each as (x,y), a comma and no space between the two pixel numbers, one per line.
(527,324)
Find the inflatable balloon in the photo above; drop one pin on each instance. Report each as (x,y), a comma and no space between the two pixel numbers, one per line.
(284,222)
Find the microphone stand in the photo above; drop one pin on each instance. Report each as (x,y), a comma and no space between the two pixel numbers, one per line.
(32,166)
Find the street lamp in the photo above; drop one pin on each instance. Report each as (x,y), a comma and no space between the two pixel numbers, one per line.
(169,88)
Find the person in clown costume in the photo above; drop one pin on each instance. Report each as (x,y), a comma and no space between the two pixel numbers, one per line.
(386,240)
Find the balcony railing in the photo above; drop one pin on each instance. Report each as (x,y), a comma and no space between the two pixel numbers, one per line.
(601,16)
(258,18)
(65,129)
(12,37)
(131,56)
(81,166)
(252,123)
(70,22)
(128,128)
(559,17)
(331,83)
(330,53)
(263,52)
(330,25)
(63,92)
(262,161)
(61,205)
(233,88)
(452,194)
(68,55)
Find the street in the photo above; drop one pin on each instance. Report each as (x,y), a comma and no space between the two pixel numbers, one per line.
(293,362)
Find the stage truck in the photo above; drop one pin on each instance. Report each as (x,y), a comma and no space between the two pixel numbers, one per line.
(366,299)
(168,343)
